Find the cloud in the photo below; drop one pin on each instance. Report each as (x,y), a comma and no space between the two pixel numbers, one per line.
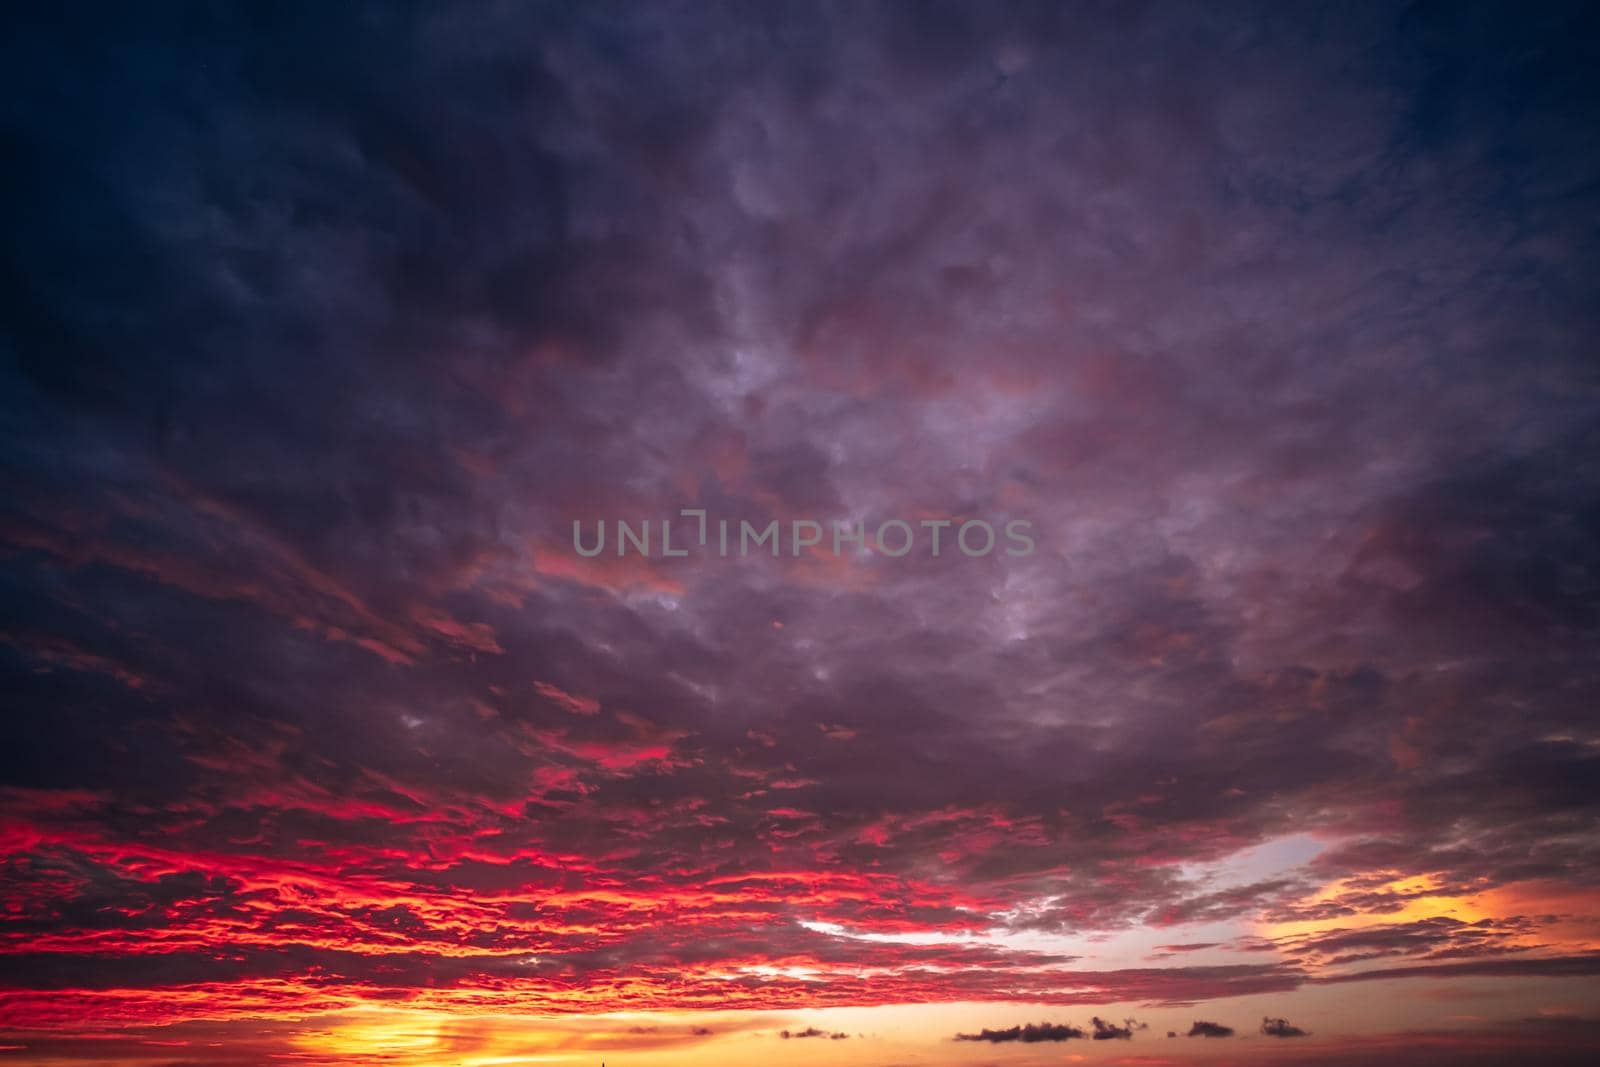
(812,1031)
(322,327)
(1028,1034)
(1280,1028)
(1106,1031)
(1205,1029)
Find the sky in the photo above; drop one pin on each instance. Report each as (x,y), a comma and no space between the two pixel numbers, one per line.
(1274,325)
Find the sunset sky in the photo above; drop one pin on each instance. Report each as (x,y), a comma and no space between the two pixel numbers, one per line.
(321,324)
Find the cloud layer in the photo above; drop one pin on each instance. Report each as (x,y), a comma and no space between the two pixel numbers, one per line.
(323,324)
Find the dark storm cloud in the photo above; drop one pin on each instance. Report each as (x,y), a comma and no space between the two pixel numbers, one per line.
(322,324)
